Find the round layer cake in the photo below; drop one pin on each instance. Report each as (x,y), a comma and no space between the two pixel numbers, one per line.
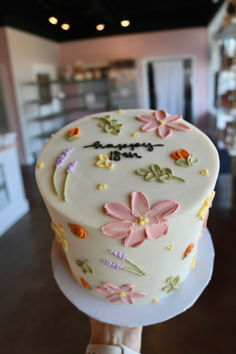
(128,193)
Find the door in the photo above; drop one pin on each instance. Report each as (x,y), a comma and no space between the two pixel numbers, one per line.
(170,86)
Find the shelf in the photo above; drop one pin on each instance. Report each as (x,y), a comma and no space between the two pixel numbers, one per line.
(61,82)
(227,33)
(56,114)
(68,97)
(231,69)
(49,133)
(43,135)
(65,112)
(227,110)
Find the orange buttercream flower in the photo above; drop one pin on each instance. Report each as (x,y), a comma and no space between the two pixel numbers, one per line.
(79,231)
(73,134)
(180,154)
(85,284)
(74,131)
(188,249)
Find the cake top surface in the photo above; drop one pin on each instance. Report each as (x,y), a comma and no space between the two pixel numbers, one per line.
(160,155)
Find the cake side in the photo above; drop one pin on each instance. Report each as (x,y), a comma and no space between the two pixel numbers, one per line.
(134,220)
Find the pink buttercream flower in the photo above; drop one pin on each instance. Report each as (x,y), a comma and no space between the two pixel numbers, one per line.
(163,123)
(123,293)
(140,222)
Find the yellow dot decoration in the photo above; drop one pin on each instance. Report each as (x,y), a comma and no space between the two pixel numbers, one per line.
(104,162)
(135,134)
(122,294)
(74,276)
(205,172)
(155,300)
(170,247)
(143,220)
(40,165)
(120,111)
(200,236)
(193,263)
(206,205)
(162,122)
(102,186)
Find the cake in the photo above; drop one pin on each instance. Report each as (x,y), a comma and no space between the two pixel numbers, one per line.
(128,193)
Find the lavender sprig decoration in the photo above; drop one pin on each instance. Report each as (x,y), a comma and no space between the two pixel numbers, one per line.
(118,254)
(63,157)
(112,264)
(118,266)
(70,169)
(124,257)
(60,163)
(72,166)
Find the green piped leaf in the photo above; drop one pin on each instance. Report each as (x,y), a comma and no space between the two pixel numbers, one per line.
(165,178)
(85,267)
(155,168)
(150,176)
(142,171)
(190,161)
(109,125)
(172,284)
(182,162)
(72,137)
(155,173)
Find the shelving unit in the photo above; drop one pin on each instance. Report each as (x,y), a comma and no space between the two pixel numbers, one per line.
(226,90)
(48,104)
(226,98)
(66,101)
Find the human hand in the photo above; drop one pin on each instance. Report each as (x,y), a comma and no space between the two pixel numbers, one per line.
(104,333)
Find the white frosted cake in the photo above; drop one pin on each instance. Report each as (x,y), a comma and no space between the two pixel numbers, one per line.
(128,193)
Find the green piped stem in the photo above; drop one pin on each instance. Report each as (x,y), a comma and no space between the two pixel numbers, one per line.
(54,181)
(136,266)
(178,178)
(65,186)
(141,274)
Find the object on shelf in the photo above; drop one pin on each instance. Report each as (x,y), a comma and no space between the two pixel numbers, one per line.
(79,71)
(44,89)
(122,78)
(230,137)
(67,74)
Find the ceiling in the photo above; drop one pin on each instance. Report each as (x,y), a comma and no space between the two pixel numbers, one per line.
(83,16)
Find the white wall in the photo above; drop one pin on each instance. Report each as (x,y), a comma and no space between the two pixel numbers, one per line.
(27,53)
(189,42)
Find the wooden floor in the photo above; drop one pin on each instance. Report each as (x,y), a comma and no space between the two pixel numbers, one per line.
(35,318)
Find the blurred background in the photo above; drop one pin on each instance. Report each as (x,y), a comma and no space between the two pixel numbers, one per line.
(61,60)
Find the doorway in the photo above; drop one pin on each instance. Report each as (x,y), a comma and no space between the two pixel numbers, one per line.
(170,85)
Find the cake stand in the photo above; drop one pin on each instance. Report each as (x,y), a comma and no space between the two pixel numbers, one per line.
(137,315)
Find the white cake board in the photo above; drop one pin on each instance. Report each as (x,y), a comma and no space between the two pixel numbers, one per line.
(137,315)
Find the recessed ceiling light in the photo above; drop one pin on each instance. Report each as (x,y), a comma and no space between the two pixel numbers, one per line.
(125,23)
(65,26)
(53,20)
(100,27)
(214,1)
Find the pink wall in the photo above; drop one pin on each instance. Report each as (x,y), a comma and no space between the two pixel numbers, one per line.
(5,61)
(154,44)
